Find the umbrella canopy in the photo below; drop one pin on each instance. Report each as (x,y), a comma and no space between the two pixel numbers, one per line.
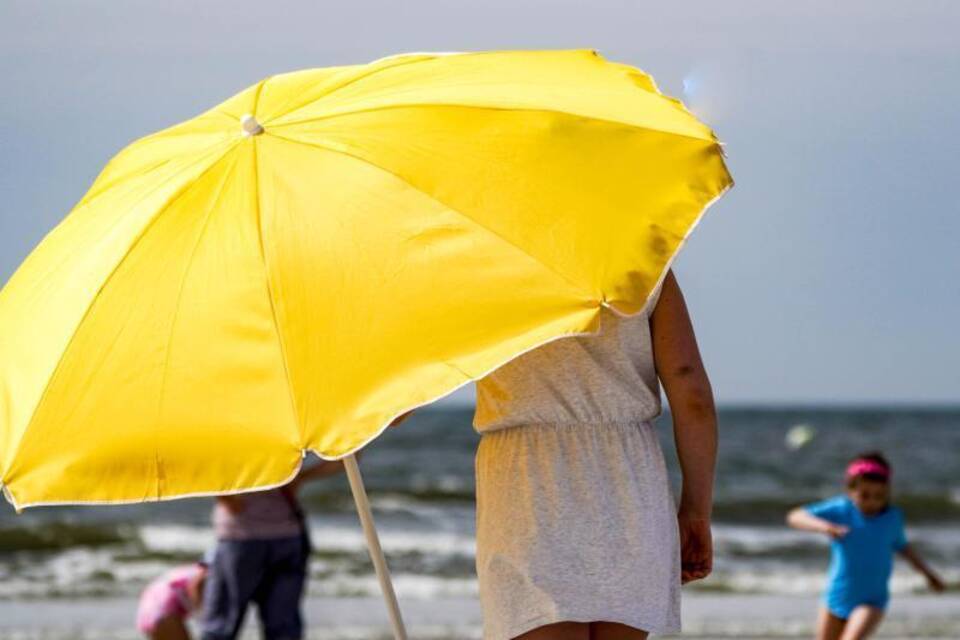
(328,249)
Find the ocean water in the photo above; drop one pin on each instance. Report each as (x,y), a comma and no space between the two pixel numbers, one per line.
(420,481)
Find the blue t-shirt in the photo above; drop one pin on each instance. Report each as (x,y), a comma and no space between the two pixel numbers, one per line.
(860,562)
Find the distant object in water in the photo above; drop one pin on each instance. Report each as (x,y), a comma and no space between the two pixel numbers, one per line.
(799,436)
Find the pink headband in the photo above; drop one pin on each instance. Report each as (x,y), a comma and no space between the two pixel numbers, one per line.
(862,467)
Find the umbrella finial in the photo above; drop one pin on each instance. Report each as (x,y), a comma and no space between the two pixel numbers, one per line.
(250,126)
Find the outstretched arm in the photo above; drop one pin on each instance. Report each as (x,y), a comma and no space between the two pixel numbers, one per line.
(802,519)
(322,469)
(403,416)
(933,580)
(688,390)
(327,468)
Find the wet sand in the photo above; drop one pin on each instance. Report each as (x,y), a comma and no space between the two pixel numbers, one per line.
(705,616)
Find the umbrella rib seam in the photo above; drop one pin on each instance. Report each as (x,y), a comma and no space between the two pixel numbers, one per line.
(267,279)
(273,307)
(580,288)
(93,299)
(92,195)
(362,76)
(176,306)
(712,139)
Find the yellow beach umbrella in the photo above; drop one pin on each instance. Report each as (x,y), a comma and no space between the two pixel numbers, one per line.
(328,249)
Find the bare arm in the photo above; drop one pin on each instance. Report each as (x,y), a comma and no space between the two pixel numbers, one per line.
(688,390)
(911,556)
(403,416)
(327,468)
(322,469)
(802,519)
(685,381)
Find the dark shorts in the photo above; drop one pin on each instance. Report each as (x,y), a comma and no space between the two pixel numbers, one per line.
(269,573)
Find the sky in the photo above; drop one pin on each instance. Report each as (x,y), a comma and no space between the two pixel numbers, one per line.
(830,273)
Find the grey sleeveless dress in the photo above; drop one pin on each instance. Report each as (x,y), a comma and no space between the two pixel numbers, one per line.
(575,517)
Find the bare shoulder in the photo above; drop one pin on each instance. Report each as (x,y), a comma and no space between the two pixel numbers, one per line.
(671,298)
(674,344)
(670,319)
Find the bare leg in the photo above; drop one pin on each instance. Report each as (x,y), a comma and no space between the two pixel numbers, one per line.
(829,626)
(558,631)
(862,623)
(615,631)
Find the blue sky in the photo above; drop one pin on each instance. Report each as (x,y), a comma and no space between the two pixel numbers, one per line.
(830,274)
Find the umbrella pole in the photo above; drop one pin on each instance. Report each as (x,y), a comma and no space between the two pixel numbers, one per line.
(373,544)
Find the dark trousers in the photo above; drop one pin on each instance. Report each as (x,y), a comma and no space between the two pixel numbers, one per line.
(269,573)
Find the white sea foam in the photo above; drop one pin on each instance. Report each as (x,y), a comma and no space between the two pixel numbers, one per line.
(177,538)
(344,539)
(408,586)
(758,539)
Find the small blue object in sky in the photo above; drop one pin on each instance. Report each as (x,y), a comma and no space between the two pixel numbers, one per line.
(691,85)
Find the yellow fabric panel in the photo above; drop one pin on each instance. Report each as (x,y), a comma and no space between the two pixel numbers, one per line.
(154,155)
(629,210)
(386,298)
(174,383)
(46,299)
(286,92)
(576,82)
(217,304)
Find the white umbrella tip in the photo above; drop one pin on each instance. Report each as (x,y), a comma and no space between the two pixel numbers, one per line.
(250,126)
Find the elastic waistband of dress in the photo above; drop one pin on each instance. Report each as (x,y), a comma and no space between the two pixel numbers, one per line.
(572,424)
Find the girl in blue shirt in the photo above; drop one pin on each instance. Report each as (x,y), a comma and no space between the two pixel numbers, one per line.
(866,531)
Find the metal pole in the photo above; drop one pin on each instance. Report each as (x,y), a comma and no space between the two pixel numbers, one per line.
(373,544)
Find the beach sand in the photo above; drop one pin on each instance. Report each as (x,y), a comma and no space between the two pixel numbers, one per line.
(705,616)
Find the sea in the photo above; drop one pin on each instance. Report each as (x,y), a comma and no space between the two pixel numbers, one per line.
(420,481)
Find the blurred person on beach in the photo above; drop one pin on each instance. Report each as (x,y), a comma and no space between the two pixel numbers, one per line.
(866,531)
(578,534)
(169,600)
(261,557)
